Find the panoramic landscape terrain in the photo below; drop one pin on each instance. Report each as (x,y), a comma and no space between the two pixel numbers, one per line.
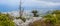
(29,12)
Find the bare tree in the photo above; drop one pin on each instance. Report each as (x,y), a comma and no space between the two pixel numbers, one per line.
(21,10)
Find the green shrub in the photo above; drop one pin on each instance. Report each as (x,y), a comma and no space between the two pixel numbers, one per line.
(5,21)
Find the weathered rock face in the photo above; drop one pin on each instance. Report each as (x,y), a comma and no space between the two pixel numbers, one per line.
(41,22)
(31,20)
(38,23)
(19,22)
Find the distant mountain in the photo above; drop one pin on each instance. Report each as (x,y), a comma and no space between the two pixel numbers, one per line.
(16,13)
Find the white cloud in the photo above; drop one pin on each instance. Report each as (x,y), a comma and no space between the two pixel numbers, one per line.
(50,0)
(30,3)
(39,3)
(10,2)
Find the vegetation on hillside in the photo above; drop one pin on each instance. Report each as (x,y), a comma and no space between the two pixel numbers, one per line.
(5,20)
(50,19)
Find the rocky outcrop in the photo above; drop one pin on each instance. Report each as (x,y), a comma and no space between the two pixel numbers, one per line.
(19,22)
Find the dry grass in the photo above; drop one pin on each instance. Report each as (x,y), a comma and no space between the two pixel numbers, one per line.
(38,23)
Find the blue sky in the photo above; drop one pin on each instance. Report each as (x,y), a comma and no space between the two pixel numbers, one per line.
(28,5)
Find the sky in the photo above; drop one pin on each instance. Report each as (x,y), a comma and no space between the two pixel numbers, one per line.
(28,5)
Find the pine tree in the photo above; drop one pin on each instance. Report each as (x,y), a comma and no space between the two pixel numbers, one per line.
(35,13)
